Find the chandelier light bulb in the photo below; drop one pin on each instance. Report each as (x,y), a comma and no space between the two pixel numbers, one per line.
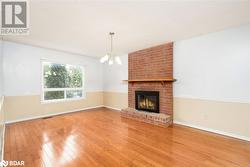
(118,60)
(104,59)
(111,61)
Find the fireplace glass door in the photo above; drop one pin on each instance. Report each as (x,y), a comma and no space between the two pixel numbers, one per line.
(147,101)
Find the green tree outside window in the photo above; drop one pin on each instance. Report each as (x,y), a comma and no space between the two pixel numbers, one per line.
(66,78)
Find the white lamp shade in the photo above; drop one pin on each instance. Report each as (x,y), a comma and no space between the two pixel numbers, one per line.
(118,60)
(104,59)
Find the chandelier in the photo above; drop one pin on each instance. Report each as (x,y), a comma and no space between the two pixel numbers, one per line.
(110,57)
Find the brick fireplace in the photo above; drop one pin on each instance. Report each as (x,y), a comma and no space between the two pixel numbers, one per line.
(146,68)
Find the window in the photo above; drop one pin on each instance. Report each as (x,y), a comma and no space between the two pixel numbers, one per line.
(62,82)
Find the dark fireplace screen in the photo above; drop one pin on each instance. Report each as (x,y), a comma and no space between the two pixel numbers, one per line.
(147,101)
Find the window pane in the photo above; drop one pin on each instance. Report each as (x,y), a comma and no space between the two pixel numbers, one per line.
(53,95)
(74,77)
(58,77)
(54,75)
(74,94)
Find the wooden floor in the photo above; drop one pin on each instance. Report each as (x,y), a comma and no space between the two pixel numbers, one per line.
(101,138)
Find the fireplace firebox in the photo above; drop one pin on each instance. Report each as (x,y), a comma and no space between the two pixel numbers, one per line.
(147,101)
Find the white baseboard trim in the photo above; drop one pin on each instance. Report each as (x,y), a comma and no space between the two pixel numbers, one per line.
(214,131)
(113,108)
(49,115)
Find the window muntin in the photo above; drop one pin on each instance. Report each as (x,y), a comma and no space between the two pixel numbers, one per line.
(62,82)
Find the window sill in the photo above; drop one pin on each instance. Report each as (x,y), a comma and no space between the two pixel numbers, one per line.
(61,100)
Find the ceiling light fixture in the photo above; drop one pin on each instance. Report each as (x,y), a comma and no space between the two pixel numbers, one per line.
(109,57)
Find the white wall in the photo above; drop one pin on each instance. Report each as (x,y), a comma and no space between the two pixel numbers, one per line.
(22,68)
(215,66)
(2,122)
(1,68)
(113,76)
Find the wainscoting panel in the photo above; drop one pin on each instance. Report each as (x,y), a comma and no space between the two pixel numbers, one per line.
(24,107)
(115,100)
(2,127)
(227,118)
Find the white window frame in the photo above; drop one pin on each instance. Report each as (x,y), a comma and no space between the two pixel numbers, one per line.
(43,101)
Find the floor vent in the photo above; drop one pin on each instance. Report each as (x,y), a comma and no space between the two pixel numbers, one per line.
(47,117)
